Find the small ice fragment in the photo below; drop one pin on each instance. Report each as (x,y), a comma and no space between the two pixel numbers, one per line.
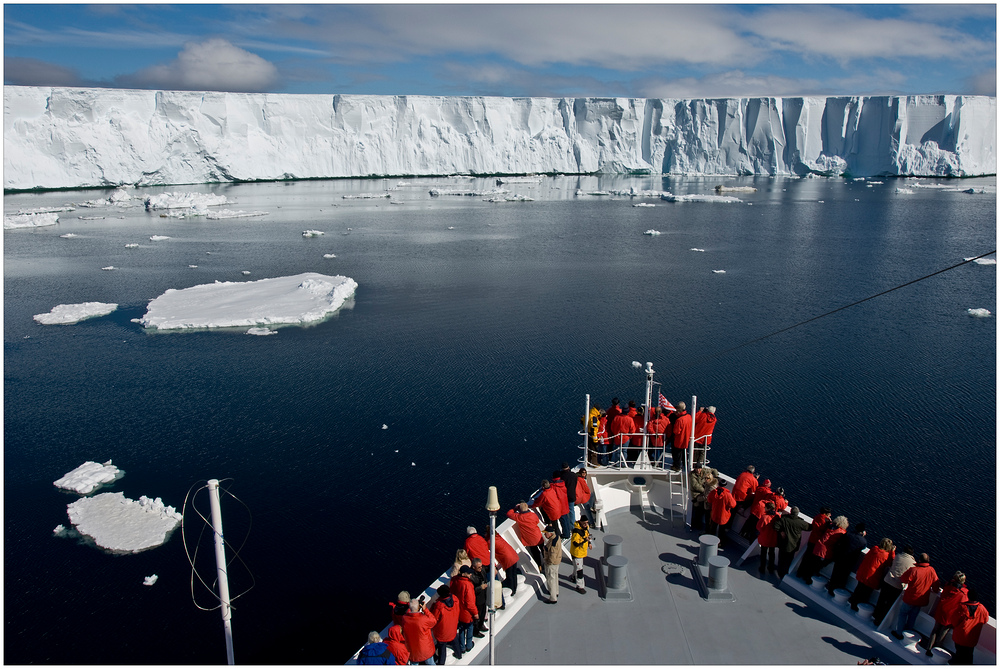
(245,272)
(384,426)
(643,204)
(699,250)
(451,227)
(982,261)
(651,232)
(69,235)
(193,266)
(261,331)
(158,238)
(329,255)
(718,271)
(413,464)
(904,191)
(67,314)
(109,268)
(132,246)
(88,477)
(637,364)
(980,313)
(150,580)
(312,233)
(60,530)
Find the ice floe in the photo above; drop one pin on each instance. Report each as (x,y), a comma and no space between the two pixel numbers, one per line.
(67,314)
(905,191)
(980,313)
(435,192)
(88,477)
(328,256)
(158,238)
(291,300)
(643,204)
(213,215)
(132,245)
(735,189)
(312,233)
(123,525)
(718,271)
(724,199)
(109,268)
(261,332)
(183,200)
(150,580)
(699,250)
(651,232)
(12,221)
(982,261)
(69,235)
(365,196)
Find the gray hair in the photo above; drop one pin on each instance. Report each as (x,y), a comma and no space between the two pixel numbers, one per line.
(374,637)
(840,522)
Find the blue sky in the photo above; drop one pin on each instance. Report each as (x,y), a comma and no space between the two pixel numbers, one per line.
(555,50)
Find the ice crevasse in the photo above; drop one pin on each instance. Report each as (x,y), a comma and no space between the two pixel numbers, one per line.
(79,137)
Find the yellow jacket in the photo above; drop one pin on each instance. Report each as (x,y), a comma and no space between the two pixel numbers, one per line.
(579,541)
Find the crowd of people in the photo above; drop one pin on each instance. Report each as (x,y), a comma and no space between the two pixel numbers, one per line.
(423,632)
(616,435)
(778,530)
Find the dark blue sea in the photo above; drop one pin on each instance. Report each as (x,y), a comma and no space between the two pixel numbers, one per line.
(476,331)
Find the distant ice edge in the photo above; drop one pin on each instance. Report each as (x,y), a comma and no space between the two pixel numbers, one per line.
(83,137)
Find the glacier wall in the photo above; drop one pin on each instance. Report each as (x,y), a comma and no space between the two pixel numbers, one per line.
(80,137)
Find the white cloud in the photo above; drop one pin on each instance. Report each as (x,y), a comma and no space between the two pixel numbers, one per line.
(212,65)
(733,83)
(984,83)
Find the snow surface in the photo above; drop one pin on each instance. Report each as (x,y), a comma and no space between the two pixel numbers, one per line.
(67,314)
(76,137)
(12,221)
(88,477)
(123,525)
(294,300)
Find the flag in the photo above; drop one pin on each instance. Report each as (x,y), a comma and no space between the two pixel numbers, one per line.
(665,405)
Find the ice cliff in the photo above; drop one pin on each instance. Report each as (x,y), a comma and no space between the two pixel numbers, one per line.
(74,137)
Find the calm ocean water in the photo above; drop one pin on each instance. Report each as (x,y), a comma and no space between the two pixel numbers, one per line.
(476,331)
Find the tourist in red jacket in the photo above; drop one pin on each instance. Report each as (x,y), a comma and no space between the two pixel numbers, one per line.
(619,428)
(559,486)
(779,501)
(920,579)
(476,546)
(418,624)
(548,502)
(446,608)
(871,571)
(583,494)
(743,489)
(721,503)
(400,607)
(756,512)
(704,426)
(953,595)
(507,559)
(682,427)
(819,556)
(528,532)
(638,429)
(969,620)
(464,591)
(767,538)
(397,644)
(655,428)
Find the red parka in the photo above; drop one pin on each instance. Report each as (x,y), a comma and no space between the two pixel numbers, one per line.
(969,621)
(870,570)
(779,503)
(582,490)
(768,537)
(619,425)
(920,578)
(763,492)
(704,425)
(506,555)
(830,537)
(638,422)
(397,644)
(560,487)
(722,503)
(947,607)
(602,430)
(477,547)
(548,502)
(464,591)
(446,610)
(745,485)
(417,630)
(682,430)
(655,429)
(526,525)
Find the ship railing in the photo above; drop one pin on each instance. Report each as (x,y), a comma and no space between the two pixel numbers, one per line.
(648,457)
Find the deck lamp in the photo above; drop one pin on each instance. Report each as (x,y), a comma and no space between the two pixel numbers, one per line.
(492,505)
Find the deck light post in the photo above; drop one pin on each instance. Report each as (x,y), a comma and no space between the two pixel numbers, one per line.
(492,505)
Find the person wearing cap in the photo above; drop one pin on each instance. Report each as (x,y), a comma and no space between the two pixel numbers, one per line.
(767,538)
(681,427)
(447,609)
(528,533)
(696,484)
(583,493)
(704,426)
(464,591)
(400,607)
(579,543)
(553,558)
(789,529)
(722,504)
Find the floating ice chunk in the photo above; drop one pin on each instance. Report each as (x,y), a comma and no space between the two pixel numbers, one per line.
(718,271)
(120,196)
(158,238)
(451,227)
(435,192)
(904,191)
(193,266)
(329,255)
(132,246)
(245,272)
(980,313)
(91,218)
(109,268)
(699,250)
(735,189)
(296,300)
(122,525)
(723,199)
(261,332)
(13,221)
(384,426)
(150,580)
(365,196)
(88,477)
(312,233)
(595,193)
(982,261)
(183,200)
(413,464)
(637,364)
(69,235)
(651,233)
(503,198)
(67,314)
(643,204)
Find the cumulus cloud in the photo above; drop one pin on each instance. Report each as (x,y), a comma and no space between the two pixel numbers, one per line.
(32,72)
(212,65)
(984,83)
(732,83)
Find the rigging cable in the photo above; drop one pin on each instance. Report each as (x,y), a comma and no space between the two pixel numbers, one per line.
(828,313)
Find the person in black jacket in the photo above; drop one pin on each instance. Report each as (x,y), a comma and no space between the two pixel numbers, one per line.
(569,478)
(789,529)
(846,555)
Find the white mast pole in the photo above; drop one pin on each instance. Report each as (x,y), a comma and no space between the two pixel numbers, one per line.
(492,506)
(220,561)
(586,430)
(694,410)
(649,406)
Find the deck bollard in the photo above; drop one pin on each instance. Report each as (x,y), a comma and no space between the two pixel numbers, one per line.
(617,565)
(708,548)
(612,545)
(718,573)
